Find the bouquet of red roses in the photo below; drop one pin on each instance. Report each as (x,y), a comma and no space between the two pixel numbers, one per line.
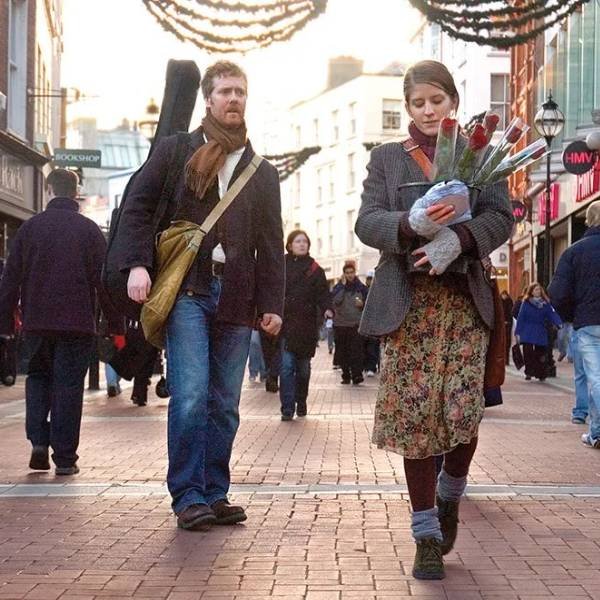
(443,161)
(518,161)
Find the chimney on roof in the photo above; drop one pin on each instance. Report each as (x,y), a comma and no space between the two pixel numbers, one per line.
(343,69)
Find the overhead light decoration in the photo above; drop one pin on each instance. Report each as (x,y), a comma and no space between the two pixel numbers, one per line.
(221,26)
(501,24)
(289,162)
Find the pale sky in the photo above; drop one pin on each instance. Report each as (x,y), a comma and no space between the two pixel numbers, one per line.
(116,50)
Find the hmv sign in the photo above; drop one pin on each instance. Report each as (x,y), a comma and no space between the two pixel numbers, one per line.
(578,158)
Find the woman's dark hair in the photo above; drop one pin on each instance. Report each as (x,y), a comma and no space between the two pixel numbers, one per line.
(293,235)
(433,73)
(529,292)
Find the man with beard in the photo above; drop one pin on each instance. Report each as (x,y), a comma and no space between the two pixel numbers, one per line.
(238,274)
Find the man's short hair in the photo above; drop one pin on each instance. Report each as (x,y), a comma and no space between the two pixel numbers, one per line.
(592,215)
(63,182)
(222,68)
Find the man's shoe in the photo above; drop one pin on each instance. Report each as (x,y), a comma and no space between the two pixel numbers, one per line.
(429,563)
(345,381)
(370,373)
(39,460)
(228,514)
(527,377)
(448,518)
(196,517)
(301,409)
(72,470)
(588,440)
(358,380)
(578,421)
(113,391)
(287,417)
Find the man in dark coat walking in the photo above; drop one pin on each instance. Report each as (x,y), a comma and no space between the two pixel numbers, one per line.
(575,294)
(54,271)
(237,276)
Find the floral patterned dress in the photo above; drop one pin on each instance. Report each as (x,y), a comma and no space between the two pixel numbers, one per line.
(430,396)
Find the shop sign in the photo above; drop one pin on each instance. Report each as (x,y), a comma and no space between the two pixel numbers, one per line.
(12,176)
(554,196)
(519,211)
(65,157)
(578,158)
(588,183)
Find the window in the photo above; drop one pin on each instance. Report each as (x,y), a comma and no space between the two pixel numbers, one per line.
(297,226)
(351,173)
(500,98)
(391,114)
(352,109)
(297,183)
(316,131)
(319,236)
(319,187)
(332,183)
(350,237)
(17,67)
(330,235)
(336,127)
(298,137)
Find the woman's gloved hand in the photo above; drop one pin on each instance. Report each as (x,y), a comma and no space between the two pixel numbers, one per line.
(440,206)
(440,252)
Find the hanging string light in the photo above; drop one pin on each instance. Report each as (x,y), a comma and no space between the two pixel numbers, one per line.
(289,162)
(230,26)
(501,24)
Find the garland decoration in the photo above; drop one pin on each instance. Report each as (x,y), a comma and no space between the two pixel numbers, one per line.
(224,26)
(289,162)
(501,24)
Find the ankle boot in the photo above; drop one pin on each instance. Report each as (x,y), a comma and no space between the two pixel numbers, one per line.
(429,563)
(448,517)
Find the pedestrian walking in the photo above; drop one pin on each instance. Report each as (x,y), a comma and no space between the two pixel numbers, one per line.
(535,315)
(237,273)
(431,302)
(507,310)
(256,361)
(349,297)
(307,303)
(53,270)
(575,292)
(581,409)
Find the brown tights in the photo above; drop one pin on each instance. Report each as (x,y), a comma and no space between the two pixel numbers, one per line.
(421,473)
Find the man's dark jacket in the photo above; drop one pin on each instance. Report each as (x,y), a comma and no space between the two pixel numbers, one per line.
(54,268)
(306,300)
(250,232)
(575,287)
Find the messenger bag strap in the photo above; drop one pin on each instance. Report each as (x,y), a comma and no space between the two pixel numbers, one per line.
(231,194)
(417,154)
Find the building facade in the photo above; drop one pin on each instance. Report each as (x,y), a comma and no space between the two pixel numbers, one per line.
(482,77)
(323,196)
(30,50)
(564,62)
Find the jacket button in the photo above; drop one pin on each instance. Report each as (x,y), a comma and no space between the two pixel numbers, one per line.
(189,293)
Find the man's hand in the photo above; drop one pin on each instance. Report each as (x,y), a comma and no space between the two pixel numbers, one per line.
(139,284)
(271,323)
(329,314)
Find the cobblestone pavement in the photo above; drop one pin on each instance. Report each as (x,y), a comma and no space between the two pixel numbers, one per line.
(328,513)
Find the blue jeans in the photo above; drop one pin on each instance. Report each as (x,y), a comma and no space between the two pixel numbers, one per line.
(582,394)
(206,361)
(112,377)
(54,388)
(256,361)
(293,380)
(588,345)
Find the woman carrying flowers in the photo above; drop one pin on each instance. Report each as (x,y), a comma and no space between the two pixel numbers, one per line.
(433,306)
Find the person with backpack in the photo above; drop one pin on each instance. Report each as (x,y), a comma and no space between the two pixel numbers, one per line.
(54,269)
(307,302)
(236,274)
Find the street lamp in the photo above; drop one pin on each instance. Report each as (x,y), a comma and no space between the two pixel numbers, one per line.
(150,123)
(548,122)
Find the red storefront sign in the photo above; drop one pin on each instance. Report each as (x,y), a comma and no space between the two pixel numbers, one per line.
(588,183)
(554,196)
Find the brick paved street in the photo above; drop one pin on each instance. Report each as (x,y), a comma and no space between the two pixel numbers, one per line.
(328,513)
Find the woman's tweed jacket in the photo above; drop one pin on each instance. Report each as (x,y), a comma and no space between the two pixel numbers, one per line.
(383,206)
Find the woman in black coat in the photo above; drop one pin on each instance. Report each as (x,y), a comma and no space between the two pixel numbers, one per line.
(307,302)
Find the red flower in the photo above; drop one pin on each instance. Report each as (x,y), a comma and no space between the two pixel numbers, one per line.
(514,134)
(478,138)
(491,122)
(447,125)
